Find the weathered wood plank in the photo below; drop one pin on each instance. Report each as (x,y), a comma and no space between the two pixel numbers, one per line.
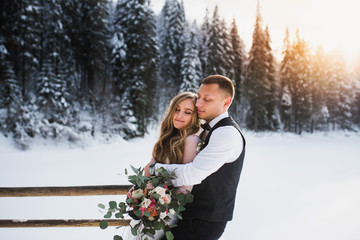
(64,191)
(60,223)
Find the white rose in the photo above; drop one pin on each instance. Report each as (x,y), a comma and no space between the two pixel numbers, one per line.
(163,215)
(167,198)
(161,191)
(172,211)
(145,203)
(137,193)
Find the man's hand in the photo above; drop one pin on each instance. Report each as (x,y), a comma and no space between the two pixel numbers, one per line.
(146,169)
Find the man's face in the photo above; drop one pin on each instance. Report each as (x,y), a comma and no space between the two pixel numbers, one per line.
(211,102)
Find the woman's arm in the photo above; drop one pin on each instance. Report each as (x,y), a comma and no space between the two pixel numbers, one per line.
(190,148)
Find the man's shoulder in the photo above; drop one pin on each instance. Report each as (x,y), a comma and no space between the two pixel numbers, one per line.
(225,130)
(228,121)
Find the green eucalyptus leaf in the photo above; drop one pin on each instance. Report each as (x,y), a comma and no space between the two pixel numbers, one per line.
(152,232)
(169,235)
(119,215)
(136,171)
(102,206)
(189,198)
(147,214)
(156,196)
(180,196)
(112,204)
(134,231)
(155,182)
(181,208)
(172,225)
(157,225)
(138,213)
(103,224)
(122,207)
(117,237)
(108,215)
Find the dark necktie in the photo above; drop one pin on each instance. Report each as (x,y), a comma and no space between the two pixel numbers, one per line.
(206,127)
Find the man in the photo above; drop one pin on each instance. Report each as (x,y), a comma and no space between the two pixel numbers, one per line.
(215,171)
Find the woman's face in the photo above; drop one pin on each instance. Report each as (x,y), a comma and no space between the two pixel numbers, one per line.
(183,114)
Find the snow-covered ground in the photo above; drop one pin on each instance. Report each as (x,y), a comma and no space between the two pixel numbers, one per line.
(292,187)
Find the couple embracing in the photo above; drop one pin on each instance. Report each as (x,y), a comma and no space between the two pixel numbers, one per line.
(212,172)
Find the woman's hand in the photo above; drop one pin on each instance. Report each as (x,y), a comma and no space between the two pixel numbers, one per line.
(146,169)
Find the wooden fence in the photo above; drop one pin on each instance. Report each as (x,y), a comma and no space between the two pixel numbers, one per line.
(62,191)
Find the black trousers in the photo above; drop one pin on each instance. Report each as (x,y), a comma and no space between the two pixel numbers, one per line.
(197,229)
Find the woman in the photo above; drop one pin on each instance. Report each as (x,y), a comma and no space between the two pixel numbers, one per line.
(178,140)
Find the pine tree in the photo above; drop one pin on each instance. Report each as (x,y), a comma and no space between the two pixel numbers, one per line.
(271,100)
(30,44)
(171,48)
(284,91)
(319,74)
(204,40)
(137,22)
(238,64)
(356,101)
(219,56)
(50,94)
(53,82)
(20,30)
(12,97)
(339,95)
(191,65)
(299,85)
(87,26)
(256,84)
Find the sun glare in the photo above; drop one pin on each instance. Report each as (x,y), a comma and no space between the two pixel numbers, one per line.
(332,24)
(329,23)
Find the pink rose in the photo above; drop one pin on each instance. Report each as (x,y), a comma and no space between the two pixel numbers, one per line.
(149,185)
(166,199)
(129,194)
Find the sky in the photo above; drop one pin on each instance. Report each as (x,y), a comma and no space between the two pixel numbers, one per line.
(330,23)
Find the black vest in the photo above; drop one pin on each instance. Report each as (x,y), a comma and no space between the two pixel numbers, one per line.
(214,197)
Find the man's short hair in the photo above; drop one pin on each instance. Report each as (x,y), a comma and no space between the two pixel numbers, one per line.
(224,83)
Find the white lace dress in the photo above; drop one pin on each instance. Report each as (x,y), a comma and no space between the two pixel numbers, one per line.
(190,151)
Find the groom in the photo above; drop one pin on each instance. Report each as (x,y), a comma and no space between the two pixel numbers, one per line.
(215,171)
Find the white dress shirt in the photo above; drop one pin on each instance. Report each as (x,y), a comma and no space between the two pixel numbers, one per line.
(225,146)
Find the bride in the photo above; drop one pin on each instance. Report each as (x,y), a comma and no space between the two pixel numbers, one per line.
(177,142)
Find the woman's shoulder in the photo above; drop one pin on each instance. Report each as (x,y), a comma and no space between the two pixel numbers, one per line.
(193,137)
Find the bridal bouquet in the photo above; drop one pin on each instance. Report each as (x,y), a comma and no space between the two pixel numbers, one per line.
(150,200)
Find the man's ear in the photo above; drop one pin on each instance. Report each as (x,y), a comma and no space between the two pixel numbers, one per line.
(228,101)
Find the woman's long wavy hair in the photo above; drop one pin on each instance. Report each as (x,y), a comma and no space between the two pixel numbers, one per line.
(172,140)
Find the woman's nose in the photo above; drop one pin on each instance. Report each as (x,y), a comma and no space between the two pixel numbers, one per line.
(179,114)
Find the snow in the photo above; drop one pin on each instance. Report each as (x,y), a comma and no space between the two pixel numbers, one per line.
(292,187)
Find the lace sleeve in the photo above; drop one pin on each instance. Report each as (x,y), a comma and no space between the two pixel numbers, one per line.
(190,148)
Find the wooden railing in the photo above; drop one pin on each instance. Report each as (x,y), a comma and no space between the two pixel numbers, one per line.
(62,191)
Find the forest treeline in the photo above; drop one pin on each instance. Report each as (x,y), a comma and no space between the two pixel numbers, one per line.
(69,67)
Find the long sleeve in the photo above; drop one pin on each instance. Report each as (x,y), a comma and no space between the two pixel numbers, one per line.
(222,148)
(190,148)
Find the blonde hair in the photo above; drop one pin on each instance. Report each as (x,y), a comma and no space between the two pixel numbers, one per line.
(172,140)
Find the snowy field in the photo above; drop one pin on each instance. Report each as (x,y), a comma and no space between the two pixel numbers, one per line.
(292,187)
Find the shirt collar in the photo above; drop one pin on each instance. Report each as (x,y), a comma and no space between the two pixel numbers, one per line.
(218,118)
